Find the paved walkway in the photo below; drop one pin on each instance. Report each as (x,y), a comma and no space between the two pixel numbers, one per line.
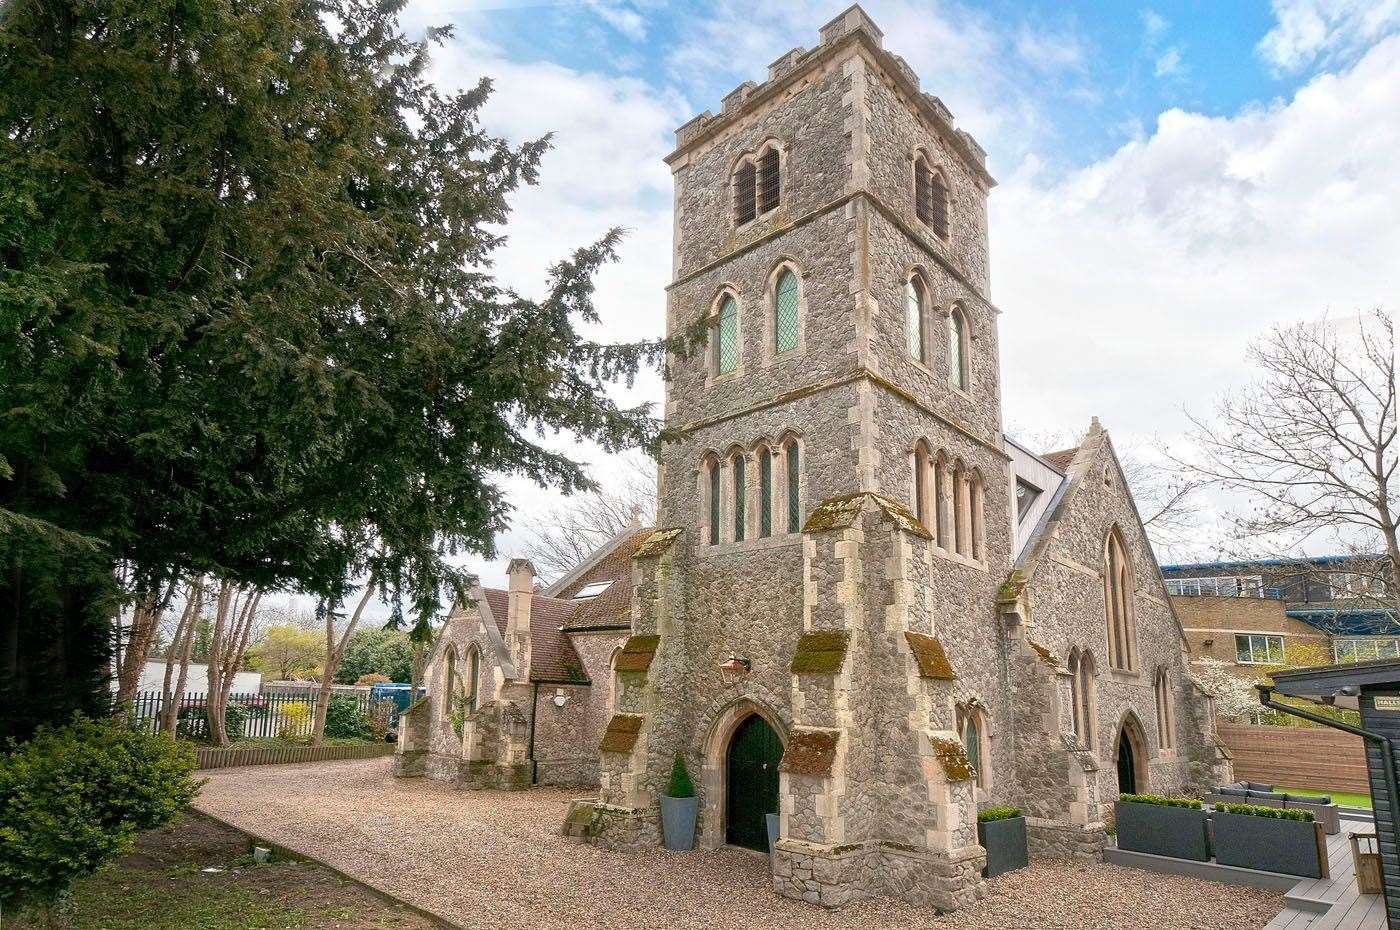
(495,859)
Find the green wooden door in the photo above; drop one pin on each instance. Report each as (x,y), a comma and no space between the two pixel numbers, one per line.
(754,754)
(1127,768)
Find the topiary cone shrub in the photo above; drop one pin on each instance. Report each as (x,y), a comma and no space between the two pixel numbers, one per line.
(680,786)
(75,797)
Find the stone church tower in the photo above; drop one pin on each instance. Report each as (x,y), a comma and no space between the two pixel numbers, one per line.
(817,627)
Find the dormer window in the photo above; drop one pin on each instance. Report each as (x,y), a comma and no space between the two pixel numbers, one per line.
(1026,496)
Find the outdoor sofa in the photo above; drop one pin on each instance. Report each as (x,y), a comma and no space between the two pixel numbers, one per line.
(1324,810)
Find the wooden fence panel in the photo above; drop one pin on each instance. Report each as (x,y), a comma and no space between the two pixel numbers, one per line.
(1297,757)
(213,758)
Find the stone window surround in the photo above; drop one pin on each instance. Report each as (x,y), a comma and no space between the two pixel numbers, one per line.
(975,709)
(956,311)
(1166,717)
(932,164)
(953,504)
(712,372)
(1083,694)
(1122,634)
(753,158)
(937,317)
(788,438)
(770,312)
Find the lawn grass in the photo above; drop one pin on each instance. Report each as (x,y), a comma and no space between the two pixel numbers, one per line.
(1343,798)
(163,885)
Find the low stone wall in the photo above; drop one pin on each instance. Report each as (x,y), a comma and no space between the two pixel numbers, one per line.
(213,758)
(1297,757)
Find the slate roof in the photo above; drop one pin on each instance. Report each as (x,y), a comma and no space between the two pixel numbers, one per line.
(613,607)
(552,656)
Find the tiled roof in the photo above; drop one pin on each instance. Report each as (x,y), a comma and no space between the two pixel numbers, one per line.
(614,604)
(552,656)
(1062,458)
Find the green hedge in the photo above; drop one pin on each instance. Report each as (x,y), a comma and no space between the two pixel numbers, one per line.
(1278,813)
(1161,800)
(997,813)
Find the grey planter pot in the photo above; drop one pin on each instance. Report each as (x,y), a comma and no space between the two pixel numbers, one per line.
(1005,842)
(1287,846)
(775,826)
(1179,832)
(678,822)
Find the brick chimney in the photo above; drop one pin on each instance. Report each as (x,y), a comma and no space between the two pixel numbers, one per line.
(522,589)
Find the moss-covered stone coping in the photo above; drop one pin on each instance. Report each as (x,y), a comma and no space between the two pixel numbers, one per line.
(1046,655)
(952,757)
(1010,589)
(928,653)
(637,653)
(820,653)
(810,752)
(621,734)
(839,513)
(657,543)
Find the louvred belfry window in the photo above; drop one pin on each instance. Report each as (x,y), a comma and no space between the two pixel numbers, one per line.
(923,203)
(769,186)
(938,204)
(744,194)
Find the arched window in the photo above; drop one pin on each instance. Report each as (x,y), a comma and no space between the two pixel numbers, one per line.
(1118,602)
(957,349)
(785,312)
(975,506)
(469,693)
(794,486)
(962,539)
(1165,724)
(915,301)
(726,336)
(923,190)
(765,492)
(923,498)
(942,496)
(769,182)
(745,192)
(449,682)
(972,730)
(736,467)
(712,468)
(615,683)
(938,204)
(1081,685)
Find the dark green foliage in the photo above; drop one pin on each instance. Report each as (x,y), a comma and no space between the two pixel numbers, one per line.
(344,720)
(991,814)
(247,321)
(78,795)
(680,786)
(1160,800)
(1277,813)
(383,652)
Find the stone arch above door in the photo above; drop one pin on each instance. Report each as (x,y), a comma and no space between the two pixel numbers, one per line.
(1130,749)
(715,749)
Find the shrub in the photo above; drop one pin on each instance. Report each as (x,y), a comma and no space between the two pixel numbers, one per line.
(77,796)
(380,713)
(680,786)
(193,722)
(296,721)
(992,814)
(1278,813)
(373,678)
(1161,800)
(344,720)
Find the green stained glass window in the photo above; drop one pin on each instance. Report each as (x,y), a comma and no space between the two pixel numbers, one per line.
(785,304)
(727,337)
(973,744)
(765,493)
(914,318)
(793,489)
(714,503)
(740,493)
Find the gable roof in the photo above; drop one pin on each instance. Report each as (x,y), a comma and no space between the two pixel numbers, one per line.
(1061,458)
(613,606)
(552,656)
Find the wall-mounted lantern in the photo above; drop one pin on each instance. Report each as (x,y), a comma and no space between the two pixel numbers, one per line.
(733,668)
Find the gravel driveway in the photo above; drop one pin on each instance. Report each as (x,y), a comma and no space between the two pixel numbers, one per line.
(495,859)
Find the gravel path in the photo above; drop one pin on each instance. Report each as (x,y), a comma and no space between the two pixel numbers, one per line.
(495,859)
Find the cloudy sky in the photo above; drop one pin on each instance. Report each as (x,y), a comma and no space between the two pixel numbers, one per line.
(1173,179)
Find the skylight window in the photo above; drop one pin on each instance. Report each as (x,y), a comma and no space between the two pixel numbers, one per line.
(591,590)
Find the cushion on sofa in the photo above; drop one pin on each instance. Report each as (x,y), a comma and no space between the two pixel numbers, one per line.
(1307,799)
(1255,786)
(1265,795)
(1231,792)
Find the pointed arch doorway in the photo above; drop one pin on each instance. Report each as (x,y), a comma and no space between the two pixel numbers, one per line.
(1132,758)
(751,782)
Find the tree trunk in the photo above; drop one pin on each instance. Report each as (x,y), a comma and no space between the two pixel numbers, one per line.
(213,699)
(335,651)
(179,655)
(145,617)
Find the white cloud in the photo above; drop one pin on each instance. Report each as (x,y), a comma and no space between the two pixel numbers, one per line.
(1168,63)
(1154,24)
(1132,287)
(620,16)
(1308,30)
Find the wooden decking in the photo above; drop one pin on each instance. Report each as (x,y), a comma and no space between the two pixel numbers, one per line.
(1333,903)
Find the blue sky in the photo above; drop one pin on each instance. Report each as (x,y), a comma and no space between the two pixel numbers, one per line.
(1175,178)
